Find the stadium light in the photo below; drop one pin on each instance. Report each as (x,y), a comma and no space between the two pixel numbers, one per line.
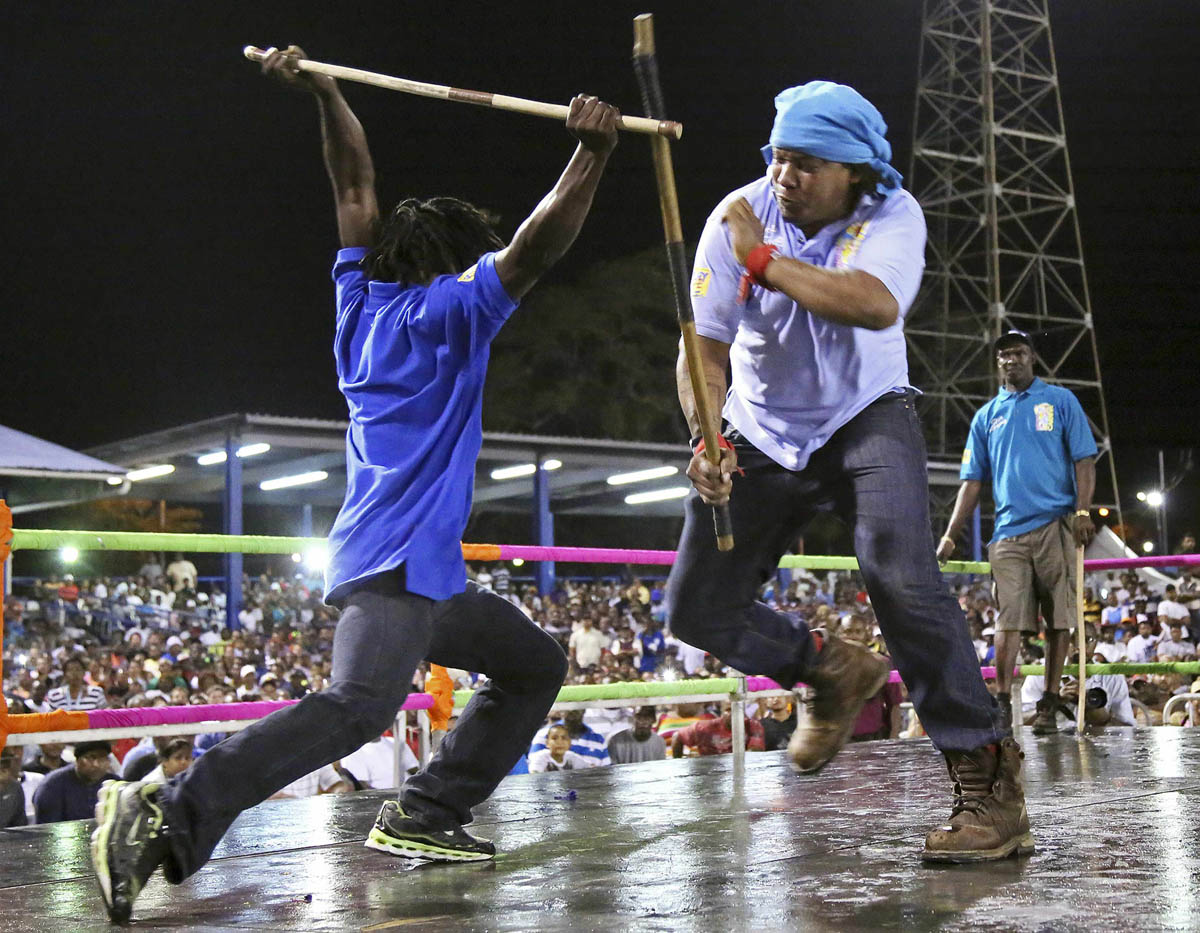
(518,562)
(524,469)
(658,495)
(300,479)
(69,554)
(640,476)
(315,558)
(1148,546)
(150,472)
(218,456)
(1103,513)
(1155,499)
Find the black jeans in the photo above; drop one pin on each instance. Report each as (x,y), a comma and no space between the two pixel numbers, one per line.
(873,473)
(383,634)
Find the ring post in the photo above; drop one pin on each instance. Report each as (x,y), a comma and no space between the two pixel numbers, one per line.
(399,727)
(737,718)
(424,744)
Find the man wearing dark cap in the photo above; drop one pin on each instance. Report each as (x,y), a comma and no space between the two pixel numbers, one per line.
(70,793)
(802,281)
(1032,443)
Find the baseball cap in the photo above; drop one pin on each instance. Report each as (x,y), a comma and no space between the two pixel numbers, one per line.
(1011,339)
(248,669)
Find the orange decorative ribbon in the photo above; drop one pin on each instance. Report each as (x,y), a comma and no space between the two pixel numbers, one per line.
(439,685)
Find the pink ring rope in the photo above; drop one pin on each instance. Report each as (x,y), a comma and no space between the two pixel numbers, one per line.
(218,712)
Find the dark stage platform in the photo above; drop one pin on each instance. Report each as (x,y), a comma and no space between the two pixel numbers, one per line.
(677,846)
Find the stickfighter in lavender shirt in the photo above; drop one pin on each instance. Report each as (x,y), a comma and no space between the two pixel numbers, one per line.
(801,285)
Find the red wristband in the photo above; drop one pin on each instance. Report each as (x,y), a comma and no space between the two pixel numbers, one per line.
(722,441)
(756,263)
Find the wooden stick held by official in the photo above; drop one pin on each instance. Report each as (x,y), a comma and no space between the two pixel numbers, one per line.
(645,64)
(1081,640)
(464,96)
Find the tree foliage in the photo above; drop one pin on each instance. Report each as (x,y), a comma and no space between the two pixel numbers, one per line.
(592,358)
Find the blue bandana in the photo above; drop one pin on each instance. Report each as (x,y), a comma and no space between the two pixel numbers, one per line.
(833,122)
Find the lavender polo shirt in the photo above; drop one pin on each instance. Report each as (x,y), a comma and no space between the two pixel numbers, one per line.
(797,377)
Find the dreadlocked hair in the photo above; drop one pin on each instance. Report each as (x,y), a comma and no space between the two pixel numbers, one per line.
(424,239)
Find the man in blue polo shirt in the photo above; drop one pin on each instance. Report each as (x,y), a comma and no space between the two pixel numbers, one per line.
(1033,444)
(801,285)
(420,296)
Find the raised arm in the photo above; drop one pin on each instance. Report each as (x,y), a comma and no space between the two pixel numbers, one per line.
(545,235)
(347,157)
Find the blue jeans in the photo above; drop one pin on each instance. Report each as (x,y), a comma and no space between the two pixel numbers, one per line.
(383,634)
(873,473)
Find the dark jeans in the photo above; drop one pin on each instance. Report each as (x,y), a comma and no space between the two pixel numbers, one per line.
(381,637)
(873,473)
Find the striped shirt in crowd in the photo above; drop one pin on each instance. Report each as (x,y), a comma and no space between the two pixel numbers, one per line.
(92,697)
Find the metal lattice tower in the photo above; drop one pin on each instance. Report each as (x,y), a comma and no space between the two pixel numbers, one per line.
(991,170)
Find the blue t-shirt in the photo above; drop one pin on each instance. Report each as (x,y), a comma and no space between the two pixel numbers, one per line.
(1027,444)
(411,361)
(798,377)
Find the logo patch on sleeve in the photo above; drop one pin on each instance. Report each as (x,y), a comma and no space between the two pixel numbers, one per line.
(468,276)
(966,461)
(1043,416)
(700,282)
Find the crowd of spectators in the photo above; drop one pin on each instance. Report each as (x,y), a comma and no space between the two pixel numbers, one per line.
(159,637)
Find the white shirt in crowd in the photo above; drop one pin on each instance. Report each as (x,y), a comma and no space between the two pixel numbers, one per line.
(250,618)
(1111,653)
(589,646)
(1172,610)
(1119,708)
(312,784)
(374,765)
(690,657)
(1140,649)
(182,574)
(90,697)
(540,761)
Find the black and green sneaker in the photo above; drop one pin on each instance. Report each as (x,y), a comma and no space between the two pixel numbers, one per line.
(129,843)
(397,833)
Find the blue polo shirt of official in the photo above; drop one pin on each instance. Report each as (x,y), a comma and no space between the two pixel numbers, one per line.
(411,362)
(1027,444)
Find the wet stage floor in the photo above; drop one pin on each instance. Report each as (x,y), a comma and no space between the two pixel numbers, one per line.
(678,846)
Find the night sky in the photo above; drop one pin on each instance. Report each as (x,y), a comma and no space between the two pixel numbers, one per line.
(168,227)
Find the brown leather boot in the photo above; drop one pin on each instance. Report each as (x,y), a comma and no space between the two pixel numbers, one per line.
(844,677)
(988,820)
(1045,722)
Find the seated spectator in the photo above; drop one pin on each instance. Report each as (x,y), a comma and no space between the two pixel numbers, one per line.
(639,743)
(325,780)
(715,736)
(1142,647)
(74,694)
(49,758)
(374,765)
(12,796)
(268,687)
(778,724)
(1174,648)
(1107,647)
(683,715)
(585,742)
(557,755)
(70,793)
(174,757)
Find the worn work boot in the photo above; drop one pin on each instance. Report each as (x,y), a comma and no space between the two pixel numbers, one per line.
(988,820)
(844,677)
(1045,723)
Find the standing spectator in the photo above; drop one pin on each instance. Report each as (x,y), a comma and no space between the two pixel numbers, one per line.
(586,645)
(640,743)
(1171,610)
(557,755)
(74,694)
(1033,443)
(653,647)
(502,580)
(182,574)
(715,736)
(779,723)
(70,793)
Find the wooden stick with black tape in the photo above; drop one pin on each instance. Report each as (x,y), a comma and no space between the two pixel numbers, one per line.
(645,64)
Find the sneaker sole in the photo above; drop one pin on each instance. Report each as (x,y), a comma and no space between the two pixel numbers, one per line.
(408,848)
(850,721)
(1023,845)
(106,814)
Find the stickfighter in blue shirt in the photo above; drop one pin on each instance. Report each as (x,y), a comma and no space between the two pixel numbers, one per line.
(800,288)
(420,296)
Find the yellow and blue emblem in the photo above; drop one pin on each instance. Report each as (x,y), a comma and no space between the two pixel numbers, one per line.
(468,276)
(700,281)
